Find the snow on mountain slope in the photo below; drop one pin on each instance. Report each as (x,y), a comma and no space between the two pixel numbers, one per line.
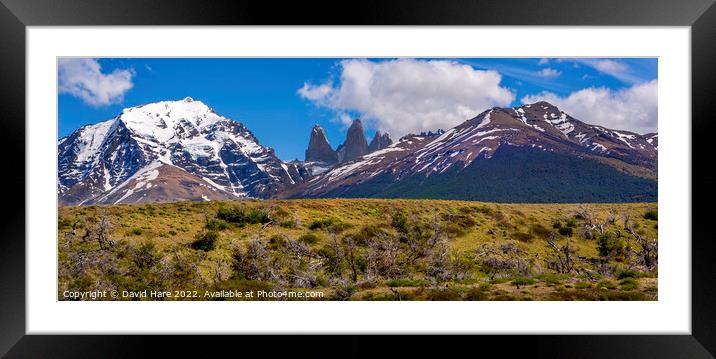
(539,127)
(169,137)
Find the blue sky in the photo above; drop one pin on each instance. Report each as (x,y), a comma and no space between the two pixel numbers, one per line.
(279,100)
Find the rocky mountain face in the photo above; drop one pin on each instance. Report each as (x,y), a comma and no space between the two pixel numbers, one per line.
(568,160)
(379,142)
(168,151)
(356,145)
(320,156)
(183,150)
(319,150)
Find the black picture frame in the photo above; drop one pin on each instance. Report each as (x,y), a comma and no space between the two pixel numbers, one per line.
(700,15)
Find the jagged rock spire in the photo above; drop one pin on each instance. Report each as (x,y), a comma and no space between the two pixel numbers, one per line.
(319,150)
(356,145)
(379,141)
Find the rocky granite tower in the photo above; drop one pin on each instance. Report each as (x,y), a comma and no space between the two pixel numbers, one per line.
(356,145)
(379,142)
(319,150)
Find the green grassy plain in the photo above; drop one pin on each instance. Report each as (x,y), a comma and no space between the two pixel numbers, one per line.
(361,249)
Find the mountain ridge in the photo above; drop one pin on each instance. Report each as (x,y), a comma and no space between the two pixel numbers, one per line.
(183,150)
(224,155)
(536,127)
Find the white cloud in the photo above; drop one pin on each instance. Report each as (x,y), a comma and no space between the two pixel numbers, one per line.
(613,68)
(610,66)
(345,119)
(315,93)
(407,95)
(633,109)
(543,61)
(548,72)
(83,78)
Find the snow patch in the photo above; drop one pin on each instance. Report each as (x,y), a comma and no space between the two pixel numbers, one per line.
(485,120)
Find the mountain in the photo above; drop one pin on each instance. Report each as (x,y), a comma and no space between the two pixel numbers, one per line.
(379,142)
(183,150)
(320,156)
(319,150)
(530,153)
(355,145)
(168,151)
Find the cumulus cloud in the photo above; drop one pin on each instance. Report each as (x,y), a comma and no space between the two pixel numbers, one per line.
(407,95)
(548,72)
(315,93)
(633,109)
(84,79)
(543,61)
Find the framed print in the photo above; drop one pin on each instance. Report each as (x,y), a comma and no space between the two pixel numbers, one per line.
(450,174)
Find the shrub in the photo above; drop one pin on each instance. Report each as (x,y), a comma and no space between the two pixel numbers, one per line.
(612,247)
(399,221)
(501,220)
(462,220)
(566,231)
(582,285)
(652,215)
(64,223)
(477,294)
(596,294)
(217,225)
(281,212)
(257,215)
(628,283)
(276,241)
(367,233)
(551,278)
(627,274)
(510,248)
(453,229)
(606,284)
(557,225)
(309,238)
(289,223)
(242,216)
(484,210)
(205,241)
(144,256)
(572,222)
(233,214)
(498,281)
(135,232)
(333,263)
(407,283)
(522,236)
(442,294)
(517,282)
(331,224)
(540,231)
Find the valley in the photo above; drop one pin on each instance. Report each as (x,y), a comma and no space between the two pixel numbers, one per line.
(362,249)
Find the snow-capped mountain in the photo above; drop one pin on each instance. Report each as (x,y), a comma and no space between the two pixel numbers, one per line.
(546,134)
(168,151)
(183,150)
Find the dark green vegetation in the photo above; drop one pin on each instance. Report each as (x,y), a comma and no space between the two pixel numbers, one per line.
(363,249)
(530,176)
